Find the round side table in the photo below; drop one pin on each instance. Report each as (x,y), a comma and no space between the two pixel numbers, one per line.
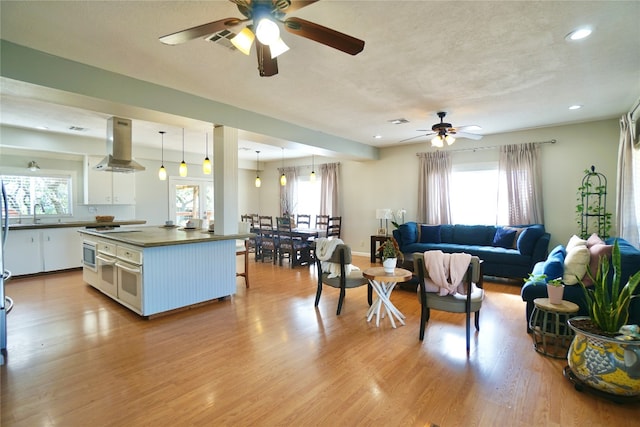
(549,330)
(383,283)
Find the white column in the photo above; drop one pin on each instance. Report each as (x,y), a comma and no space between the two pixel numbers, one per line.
(225,179)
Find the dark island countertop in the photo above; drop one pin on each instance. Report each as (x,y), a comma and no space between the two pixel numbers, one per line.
(71,224)
(151,236)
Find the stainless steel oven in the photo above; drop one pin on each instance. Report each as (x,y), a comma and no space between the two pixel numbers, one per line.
(129,271)
(89,253)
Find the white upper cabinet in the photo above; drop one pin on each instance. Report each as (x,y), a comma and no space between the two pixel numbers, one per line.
(108,188)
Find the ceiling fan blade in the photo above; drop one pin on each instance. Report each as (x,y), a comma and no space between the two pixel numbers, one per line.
(298,4)
(324,35)
(467,135)
(199,31)
(267,66)
(416,137)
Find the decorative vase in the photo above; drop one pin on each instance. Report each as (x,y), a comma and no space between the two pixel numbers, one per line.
(604,363)
(555,293)
(389,264)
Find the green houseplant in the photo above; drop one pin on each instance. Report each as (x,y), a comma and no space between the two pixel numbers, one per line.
(599,355)
(390,252)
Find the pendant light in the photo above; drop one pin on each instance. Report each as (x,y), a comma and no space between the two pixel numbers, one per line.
(258,180)
(312,177)
(162,173)
(206,165)
(283,178)
(183,166)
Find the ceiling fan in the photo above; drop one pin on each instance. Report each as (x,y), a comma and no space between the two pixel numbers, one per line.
(265,16)
(444,132)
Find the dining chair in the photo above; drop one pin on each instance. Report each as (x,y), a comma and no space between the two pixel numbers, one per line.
(289,246)
(341,255)
(469,303)
(303,220)
(268,238)
(322,221)
(334,227)
(252,242)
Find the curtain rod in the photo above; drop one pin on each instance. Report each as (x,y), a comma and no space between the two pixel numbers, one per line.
(551,141)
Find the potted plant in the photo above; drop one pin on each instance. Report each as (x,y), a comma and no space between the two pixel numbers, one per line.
(390,254)
(600,355)
(555,290)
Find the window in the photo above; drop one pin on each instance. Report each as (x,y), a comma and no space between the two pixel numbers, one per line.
(51,192)
(474,195)
(308,197)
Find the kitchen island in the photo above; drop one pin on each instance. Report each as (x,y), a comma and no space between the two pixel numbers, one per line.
(155,269)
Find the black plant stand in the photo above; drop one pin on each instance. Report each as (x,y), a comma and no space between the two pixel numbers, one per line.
(580,385)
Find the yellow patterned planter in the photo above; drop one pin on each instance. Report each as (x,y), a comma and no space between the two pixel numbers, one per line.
(605,364)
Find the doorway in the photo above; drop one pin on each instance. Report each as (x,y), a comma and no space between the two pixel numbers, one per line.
(190,198)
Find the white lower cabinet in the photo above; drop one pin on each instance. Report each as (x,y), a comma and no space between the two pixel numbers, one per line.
(47,249)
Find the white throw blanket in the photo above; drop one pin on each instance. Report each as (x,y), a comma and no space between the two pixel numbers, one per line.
(445,272)
(324,250)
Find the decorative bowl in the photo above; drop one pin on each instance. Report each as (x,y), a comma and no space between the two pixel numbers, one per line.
(104,218)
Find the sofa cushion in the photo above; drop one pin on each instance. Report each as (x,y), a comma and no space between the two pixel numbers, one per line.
(446,233)
(528,238)
(504,237)
(429,234)
(408,233)
(554,265)
(575,264)
(594,239)
(575,241)
(472,234)
(595,252)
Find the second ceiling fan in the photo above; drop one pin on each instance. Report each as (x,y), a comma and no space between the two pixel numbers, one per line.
(445,133)
(263,28)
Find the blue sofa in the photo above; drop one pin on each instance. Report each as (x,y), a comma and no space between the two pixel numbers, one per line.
(553,267)
(509,252)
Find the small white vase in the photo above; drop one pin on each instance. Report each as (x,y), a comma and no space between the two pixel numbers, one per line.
(555,294)
(389,264)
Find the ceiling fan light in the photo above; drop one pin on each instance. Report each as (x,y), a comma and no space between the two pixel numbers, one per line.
(436,141)
(243,40)
(267,31)
(450,140)
(278,48)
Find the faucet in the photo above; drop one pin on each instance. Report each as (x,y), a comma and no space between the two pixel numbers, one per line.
(35,220)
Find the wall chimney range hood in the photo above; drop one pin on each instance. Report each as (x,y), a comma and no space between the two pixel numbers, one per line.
(119,148)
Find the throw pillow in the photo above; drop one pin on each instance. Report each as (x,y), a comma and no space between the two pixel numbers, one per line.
(575,264)
(528,238)
(504,237)
(519,231)
(575,241)
(594,239)
(430,234)
(595,252)
(554,265)
(408,233)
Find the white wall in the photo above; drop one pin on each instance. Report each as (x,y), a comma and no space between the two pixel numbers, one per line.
(390,182)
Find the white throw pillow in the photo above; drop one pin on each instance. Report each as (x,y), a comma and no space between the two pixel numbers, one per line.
(575,264)
(575,241)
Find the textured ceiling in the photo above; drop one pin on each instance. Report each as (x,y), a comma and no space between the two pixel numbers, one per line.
(501,65)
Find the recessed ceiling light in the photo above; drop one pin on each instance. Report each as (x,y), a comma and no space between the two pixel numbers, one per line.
(42,127)
(579,34)
(377,136)
(398,121)
(575,107)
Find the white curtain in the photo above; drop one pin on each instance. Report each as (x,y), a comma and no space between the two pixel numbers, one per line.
(628,189)
(520,169)
(433,188)
(289,192)
(329,185)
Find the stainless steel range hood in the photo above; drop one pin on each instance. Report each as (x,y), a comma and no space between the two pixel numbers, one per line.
(119,148)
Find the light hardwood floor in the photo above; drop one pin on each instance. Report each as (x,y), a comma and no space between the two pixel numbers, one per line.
(267,357)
